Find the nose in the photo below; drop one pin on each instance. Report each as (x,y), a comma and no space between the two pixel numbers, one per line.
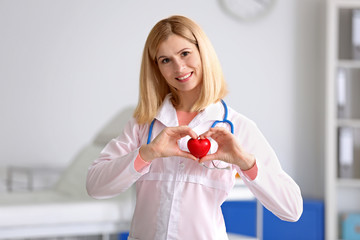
(179,65)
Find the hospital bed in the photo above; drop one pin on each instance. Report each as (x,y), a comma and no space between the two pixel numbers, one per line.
(66,209)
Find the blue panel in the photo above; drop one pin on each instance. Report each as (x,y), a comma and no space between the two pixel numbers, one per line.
(123,236)
(310,226)
(240,217)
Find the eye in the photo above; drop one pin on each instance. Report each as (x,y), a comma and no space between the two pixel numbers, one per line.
(185,53)
(165,60)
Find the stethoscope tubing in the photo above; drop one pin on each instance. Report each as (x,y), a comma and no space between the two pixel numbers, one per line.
(225,120)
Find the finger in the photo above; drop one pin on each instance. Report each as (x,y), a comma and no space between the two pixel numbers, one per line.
(186,130)
(220,130)
(187,155)
(207,134)
(214,130)
(218,133)
(208,157)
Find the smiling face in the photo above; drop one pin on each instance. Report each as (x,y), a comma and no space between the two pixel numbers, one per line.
(180,64)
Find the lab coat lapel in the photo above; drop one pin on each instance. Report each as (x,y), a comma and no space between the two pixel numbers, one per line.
(167,113)
(212,113)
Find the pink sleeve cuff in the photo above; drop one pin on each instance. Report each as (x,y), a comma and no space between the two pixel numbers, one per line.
(139,163)
(252,172)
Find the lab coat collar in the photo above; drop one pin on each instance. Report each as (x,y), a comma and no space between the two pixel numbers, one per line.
(167,113)
(211,113)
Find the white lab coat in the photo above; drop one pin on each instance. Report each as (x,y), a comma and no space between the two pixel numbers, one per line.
(177,198)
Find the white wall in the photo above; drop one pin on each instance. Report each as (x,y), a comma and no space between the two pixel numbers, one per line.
(67,67)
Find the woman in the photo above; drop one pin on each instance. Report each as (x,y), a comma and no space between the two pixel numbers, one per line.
(178,195)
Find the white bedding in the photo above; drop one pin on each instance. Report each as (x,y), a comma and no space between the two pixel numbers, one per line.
(56,209)
(66,209)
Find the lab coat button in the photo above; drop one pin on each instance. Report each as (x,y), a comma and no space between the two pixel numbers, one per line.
(182,165)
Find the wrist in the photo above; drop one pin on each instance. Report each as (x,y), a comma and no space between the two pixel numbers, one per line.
(147,153)
(247,161)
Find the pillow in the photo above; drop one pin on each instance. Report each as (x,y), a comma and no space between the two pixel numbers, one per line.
(114,127)
(73,180)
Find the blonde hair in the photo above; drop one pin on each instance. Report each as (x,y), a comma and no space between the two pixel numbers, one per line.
(153,86)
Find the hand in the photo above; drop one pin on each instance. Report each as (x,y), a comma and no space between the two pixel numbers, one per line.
(229,149)
(165,144)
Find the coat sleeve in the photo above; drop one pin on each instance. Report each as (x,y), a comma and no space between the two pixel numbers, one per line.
(114,172)
(273,187)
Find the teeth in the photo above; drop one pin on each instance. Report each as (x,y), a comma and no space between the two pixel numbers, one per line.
(184,77)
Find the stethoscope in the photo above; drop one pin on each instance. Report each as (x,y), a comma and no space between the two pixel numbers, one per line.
(225,120)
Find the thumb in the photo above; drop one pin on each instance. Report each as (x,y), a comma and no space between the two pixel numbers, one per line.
(208,157)
(187,155)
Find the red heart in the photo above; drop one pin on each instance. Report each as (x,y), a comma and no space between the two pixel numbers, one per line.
(199,147)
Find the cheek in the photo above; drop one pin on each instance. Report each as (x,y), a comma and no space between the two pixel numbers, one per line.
(199,68)
(196,62)
(166,75)
(164,72)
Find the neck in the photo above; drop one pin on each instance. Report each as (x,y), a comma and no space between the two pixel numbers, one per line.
(187,100)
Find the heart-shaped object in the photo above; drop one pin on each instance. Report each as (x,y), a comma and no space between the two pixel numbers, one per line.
(199,147)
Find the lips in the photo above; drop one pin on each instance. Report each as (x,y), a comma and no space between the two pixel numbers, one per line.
(184,77)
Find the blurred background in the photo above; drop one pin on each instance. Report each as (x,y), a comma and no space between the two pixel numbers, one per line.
(68,67)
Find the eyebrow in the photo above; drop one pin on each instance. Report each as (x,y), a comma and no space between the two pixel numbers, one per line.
(176,53)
